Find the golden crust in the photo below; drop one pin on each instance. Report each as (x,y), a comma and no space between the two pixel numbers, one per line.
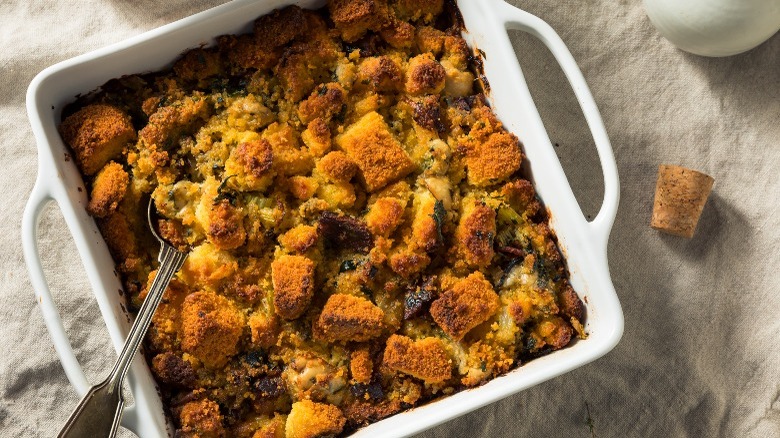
(353,18)
(425,359)
(211,328)
(198,64)
(348,318)
(308,419)
(293,282)
(493,160)
(475,233)
(108,190)
(325,101)
(380,73)
(337,167)
(360,365)
(97,133)
(378,155)
(384,216)
(424,75)
(469,303)
(264,329)
(202,419)
(300,239)
(168,122)
(226,229)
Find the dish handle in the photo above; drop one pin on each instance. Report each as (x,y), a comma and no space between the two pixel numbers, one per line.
(39,198)
(517,19)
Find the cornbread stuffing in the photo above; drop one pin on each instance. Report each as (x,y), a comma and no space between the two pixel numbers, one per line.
(361,236)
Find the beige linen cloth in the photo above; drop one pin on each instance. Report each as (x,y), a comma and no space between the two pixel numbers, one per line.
(700,356)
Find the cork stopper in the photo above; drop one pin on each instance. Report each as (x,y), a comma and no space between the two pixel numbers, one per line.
(680,195)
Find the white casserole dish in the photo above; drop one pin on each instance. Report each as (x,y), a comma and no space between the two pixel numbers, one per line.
(584,243)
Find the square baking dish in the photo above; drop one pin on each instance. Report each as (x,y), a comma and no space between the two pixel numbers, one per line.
(583,243)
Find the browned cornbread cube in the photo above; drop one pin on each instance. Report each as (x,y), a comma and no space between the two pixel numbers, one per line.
(293,281)
(97,133)
(211,328)
(380,74)
(264,329)
(170,121)
(349,318)
(299,239)
(325,101)
(201,418)
(384,216)
(336,166)
(469,303)
(424,75)
(680,195)
(225,226)
(309,419)
(493,160)
(353,18)
(378,154)
(475,233)
(108,189)
(360,365)
(425,359)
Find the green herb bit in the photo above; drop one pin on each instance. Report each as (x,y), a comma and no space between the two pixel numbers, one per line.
(439,214)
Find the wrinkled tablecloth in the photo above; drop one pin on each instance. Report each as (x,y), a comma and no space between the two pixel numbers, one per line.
(700,354)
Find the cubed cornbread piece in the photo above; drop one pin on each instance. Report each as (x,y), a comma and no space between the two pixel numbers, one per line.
(173,370)
(325,101)
(475,233)
(424,75)
(108,189)
(553,332)
(299,239)
(407,263)
(202,419)
(198,64)
(378,154)
(303,187)
(293,282)
(280,27)
(97,133)
(211,328)
(493,160)
(169,122)
(353,18)
(680,195)
(470,302)
(349,318)
(249,165)
(264,329)
(380,73)
(289,158)
(521,196)
(309,419)
(418,9)
(384,216)
(360,365)
(425,359)
(316,137)
(336,166)
(225,226)
(398,34)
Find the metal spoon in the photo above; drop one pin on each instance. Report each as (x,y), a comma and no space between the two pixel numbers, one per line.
(99,412)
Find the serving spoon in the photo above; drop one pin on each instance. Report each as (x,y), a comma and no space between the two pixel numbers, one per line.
(99,412)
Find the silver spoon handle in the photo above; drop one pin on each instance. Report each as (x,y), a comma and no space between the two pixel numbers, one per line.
(170,262)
